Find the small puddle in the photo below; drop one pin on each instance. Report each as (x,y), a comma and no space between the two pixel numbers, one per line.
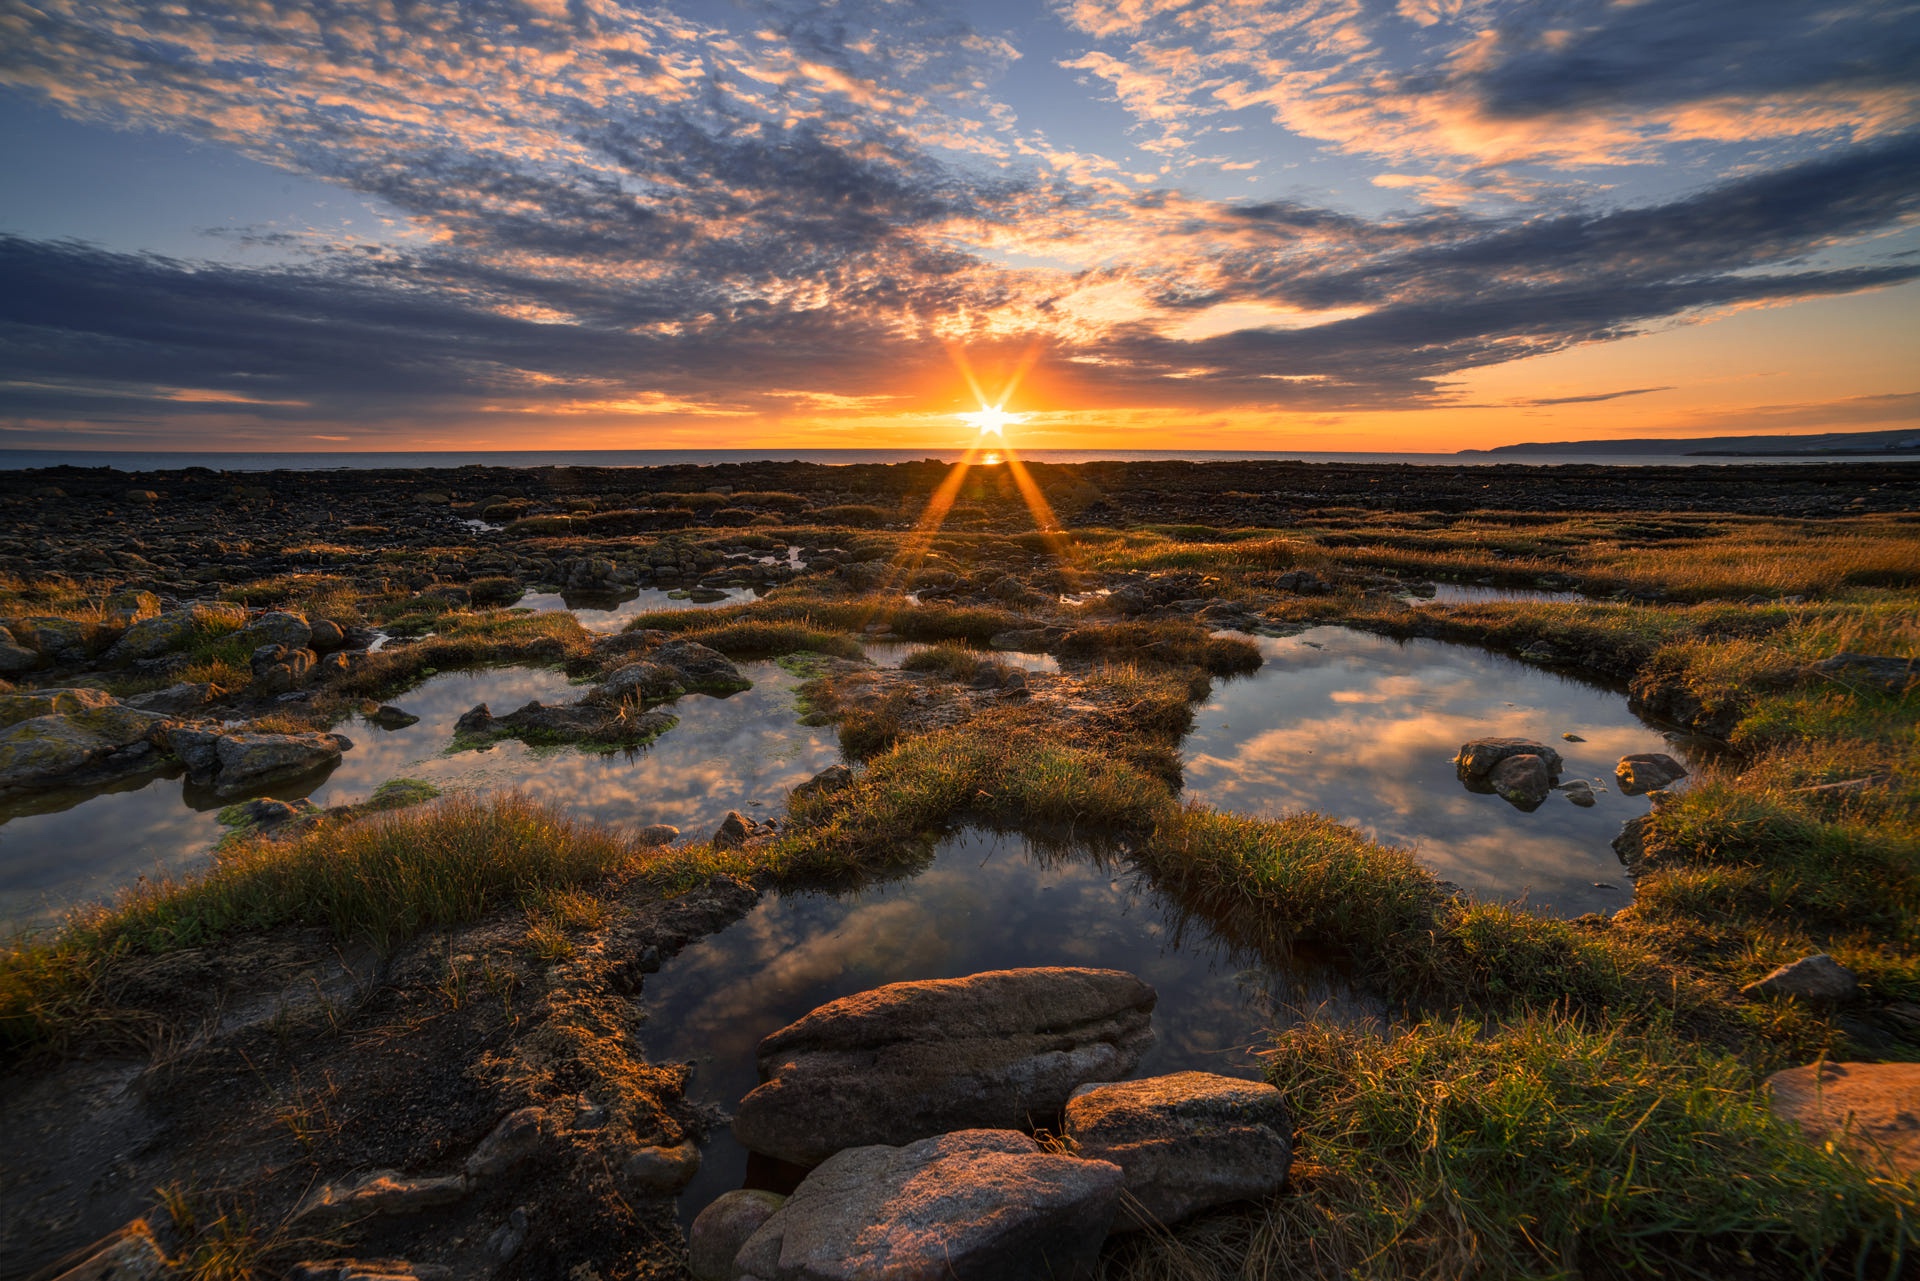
(596,615)
(1363,729)
(743,752)
(987,902)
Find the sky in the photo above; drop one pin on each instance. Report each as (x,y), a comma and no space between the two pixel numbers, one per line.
(1398,225)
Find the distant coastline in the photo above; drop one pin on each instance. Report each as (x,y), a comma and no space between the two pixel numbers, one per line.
(1896,443)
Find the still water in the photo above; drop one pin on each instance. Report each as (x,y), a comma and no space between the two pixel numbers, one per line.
(613,618)
(987,902)
(1363,729)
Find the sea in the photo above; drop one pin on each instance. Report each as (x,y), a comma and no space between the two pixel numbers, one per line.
(172,460)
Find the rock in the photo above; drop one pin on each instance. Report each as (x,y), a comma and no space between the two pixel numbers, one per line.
(176,629)
(1186,1142)
(368,1270)
(387,716)
(1522,781)
(505,1241)
(1580,792)
(701,668)
(325,635)
(382,1192)
(73,736)
(1573,738)
(1302,582)
(518,1136)
(277,669)
(58,640)
(178,700)
(280,628)
(1872,1109)
(736,829)
(1882,674)
(643,681)
(1670,700)
(979,1205)
(582,722)
(718,1232)
(1016,682)
(475,720)
(15,658)
(908,1060)
(266,811)
(830,779)
(124,609)
(1475,761)
(1645,772)
(660,1170)
(1631,842)
(1817,978)
(233,763)
(1029,640)
(131,1254)
(657,834)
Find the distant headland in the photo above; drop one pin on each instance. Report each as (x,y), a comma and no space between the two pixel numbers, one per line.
(1905,439)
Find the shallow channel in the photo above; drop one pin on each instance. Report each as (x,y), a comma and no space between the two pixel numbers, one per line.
(1363,729)
(987,902)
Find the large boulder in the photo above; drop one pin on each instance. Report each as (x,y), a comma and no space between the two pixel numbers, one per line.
(1476,760)
(1645,772)
(717,1232)
(15,657)
(701,668)
(280,628)
(176,629)
(993,1051)
(234,763)
(1187,1142)
(643,682)
(178,700)
(73,736)
(1522,781)
(1872,1109)
(979,1205)
(59,640)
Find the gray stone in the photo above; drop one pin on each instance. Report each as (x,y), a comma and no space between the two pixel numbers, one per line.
(16,658)
(1871,1109)
(178,700)
(387,716)
(175,629)
(1522,781)
(518,1136)
(477,719)
(644,681)
(233,763)
(48,735)
(660,1170)
(382,1192)
(979,1205)
(830,779)
(718,1232)
(701,668)
(736,830)
(325,634)
(280,628)
(1817,978)
(1187,1142)
(1476,760)
(1580,792)
(998,1050)
(657,834)
(1645,772)
(1876,672)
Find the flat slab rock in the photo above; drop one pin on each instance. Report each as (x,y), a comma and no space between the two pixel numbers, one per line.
(1871,1108)
(990,1051)
(978,1205)
(1187,1142)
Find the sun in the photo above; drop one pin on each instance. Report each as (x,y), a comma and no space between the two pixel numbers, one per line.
(993,420)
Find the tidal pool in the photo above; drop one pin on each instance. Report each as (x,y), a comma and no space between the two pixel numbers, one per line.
(1363,729)
(597,617)
(987,902)
(743,752)
(894,653)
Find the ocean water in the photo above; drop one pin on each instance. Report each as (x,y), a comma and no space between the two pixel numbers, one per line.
(169,460)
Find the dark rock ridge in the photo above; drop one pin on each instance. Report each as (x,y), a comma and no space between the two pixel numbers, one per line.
(997,1050)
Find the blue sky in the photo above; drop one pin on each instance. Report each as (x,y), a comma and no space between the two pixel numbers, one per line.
(1318,223)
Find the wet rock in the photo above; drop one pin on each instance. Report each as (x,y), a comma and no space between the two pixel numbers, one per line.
(644,681)
(382,1192)
(233,763)
(178,700)
(1580,792)
(265,812)
(979,1205)
(1875,672)
(280,628)
(73,736)
(701,668)
(518,1136)
(736,830)
(1187,1142)
(718,1232)
(1645,772)
(913,1059)
(477,719)
(657,834)
(659,1170)
(1668,700)
(830,779)
(131,1254)
(326,635)
(1631,842)
(1522,781)
(1475,761)
(582,722)
(387,716)
(1872,1109)
(176,629)
(1818,978)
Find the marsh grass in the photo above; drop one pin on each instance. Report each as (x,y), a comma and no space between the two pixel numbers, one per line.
(551,638)
(1172,641)
(755,638)
(928,622)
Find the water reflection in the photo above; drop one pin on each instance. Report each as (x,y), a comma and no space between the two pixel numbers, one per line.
(987,902)
(894,654)
(741,752)
(1364,729)
(1458,594)
(599,613)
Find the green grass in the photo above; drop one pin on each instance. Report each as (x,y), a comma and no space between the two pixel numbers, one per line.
(754,638)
